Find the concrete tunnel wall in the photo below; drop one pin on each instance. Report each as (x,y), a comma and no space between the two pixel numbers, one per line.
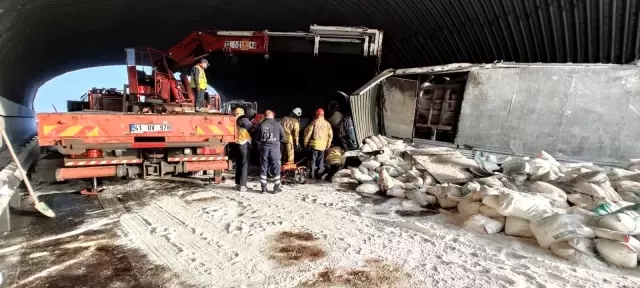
(40,39)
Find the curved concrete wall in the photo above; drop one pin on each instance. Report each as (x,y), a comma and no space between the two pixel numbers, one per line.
(40,39)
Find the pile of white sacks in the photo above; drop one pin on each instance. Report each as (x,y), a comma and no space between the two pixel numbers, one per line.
(576,209)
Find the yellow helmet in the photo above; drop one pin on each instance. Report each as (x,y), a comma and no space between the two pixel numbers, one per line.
(238,112)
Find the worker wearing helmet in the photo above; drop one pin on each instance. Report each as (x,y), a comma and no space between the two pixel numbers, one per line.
(243,148)
(291,125)
(199,83)
(269,135)
(317,137)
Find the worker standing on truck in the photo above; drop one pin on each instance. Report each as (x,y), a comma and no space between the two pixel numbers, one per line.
(269,135)
(243,148)
(291,126)
(199,83)
(317,137)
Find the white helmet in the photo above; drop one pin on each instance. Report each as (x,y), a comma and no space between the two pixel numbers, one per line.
(297,111)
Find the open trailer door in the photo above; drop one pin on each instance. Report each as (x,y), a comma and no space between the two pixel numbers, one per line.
(399,106)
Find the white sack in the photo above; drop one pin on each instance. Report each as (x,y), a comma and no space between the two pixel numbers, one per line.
(538,167)
(440,191)
(359,176)
(489,212)
(385,181)
(428,180)
(377,142)
(559,227)
(492,201)
(343,180)
(483,224)
(517,227)
(421,198)
(629,197)
(618,253)
(490,181)
(625,221)
(343,173)
(368,187)
(544,155)
(371,144)
(366,148)
(628,186)
(516,166)
(584,245)
(603,207)
(391,140)
(546,188)
(371,164)
(397,192)
(579,199)
(580,211)
(467,208)
(382,140)
(563,249)
(363,170)
(525,206)
(393,172)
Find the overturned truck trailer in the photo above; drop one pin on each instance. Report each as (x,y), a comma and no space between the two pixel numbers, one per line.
(586,112)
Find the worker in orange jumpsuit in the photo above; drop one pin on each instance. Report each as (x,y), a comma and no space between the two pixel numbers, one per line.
(199,83)
(317,137)
(291,125)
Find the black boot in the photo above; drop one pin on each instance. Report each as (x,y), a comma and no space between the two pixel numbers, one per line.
(277,188)
(263,188)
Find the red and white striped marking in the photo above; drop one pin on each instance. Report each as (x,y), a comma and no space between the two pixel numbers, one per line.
(101,162)
(198,158)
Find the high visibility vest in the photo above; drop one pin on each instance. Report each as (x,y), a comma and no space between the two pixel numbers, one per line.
(201,81)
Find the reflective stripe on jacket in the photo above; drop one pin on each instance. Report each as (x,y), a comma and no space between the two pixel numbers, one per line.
(318,135)
(291,130)
(198,76)
(333,155)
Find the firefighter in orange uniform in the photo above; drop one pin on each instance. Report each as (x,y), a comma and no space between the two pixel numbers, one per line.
(317,137)
(291,126)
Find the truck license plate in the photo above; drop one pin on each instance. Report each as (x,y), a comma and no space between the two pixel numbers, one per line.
(145,128)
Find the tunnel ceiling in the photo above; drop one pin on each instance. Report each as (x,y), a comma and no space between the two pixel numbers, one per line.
(40,39)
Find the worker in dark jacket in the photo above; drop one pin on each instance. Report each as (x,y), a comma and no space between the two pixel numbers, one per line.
(269,135)
(199,83)
(243,147)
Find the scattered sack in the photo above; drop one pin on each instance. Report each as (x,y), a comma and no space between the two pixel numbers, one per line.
(518,227)
(546,156)
(370,187)
(397,192)
(382,140)
(584,245)
(629,197)
(628,186)
(559,227)
(371,164)
(393,172)
(366,148)
(385,181)
(580,211)
(625,221)
(515,166)
(467,208)
(371,144)
(548,189)
(483,224)
(604,207)
(618,253)
(440,191)
(489,212)
(525,206)
(363,170)
(538,168)
(428,180)
(360,176)
(579,199)
(492,201)
(563,249)
(421,198)
(377,142)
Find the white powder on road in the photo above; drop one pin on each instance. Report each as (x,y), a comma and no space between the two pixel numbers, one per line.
(223,243)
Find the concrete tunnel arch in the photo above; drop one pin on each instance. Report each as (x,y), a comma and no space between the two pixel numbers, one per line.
(42,39)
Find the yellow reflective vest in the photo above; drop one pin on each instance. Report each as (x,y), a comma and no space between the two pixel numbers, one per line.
(198,77)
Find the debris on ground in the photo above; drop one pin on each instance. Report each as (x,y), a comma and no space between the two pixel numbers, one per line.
(375,273)
(290,248)
(557,204)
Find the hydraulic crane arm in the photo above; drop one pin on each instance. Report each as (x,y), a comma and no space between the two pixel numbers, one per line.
(199,44)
